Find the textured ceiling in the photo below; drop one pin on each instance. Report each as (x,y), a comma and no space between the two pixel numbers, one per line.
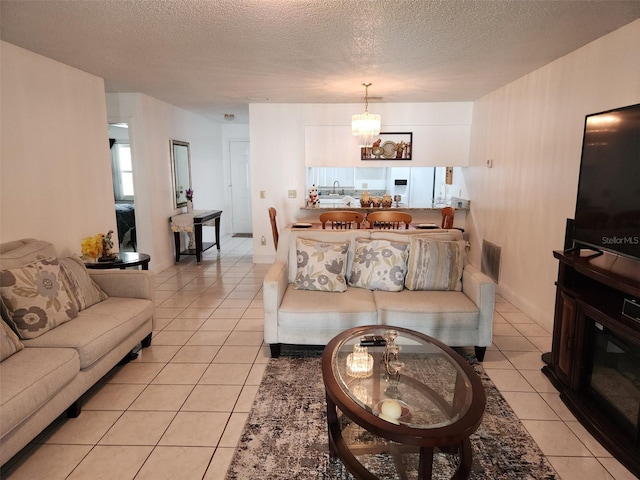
(216,56)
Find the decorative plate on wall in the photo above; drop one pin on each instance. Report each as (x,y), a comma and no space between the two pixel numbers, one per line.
(389,149)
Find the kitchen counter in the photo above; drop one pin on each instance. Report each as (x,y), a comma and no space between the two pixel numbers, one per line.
(420,214)
(338,205)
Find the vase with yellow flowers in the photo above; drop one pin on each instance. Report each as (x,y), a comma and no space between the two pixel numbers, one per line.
(97,248)
(92,248)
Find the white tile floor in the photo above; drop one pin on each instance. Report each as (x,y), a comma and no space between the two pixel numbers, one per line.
(177,412)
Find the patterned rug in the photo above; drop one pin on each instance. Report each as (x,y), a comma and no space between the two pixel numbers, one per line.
(242,235)
(285,436)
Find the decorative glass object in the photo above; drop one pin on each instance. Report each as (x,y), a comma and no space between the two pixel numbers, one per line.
(360,362)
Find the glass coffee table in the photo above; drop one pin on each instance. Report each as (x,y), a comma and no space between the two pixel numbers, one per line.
(397,400)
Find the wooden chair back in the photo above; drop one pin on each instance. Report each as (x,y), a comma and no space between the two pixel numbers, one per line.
(274,226)
(387,219)
(447,217)
(341,219)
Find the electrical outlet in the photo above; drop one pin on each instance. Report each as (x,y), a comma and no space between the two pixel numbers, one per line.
(490,163)
(365,185)
(263,194)
(263,241)
(292,194)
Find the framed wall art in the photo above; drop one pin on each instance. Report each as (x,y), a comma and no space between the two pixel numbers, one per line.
(389,146)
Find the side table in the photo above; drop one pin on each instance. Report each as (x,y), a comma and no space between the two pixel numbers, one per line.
(193,223)
(124,260)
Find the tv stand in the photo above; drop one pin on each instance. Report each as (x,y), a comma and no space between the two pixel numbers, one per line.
(579,248)
(591,291)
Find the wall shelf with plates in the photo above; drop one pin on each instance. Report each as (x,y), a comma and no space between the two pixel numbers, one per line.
(389,146)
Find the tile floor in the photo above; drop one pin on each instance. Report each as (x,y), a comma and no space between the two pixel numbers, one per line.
(178,410)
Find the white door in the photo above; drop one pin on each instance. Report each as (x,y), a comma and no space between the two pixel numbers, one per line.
(240,187)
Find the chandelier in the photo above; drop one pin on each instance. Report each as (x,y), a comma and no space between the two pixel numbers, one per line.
(365,125)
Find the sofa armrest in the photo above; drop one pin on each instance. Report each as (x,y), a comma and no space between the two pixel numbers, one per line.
(482,291)
(125,283)
(274,285)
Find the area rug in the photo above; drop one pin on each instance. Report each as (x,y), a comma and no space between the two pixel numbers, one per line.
(242,235)
(285,436)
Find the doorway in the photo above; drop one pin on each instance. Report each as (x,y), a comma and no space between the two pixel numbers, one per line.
(124,195)
(240,173)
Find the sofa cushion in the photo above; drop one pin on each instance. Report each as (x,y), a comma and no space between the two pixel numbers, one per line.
(30,378)
(35,298)
(440,314)
(98,329)
(379,265)
(435,265)
(302,309)
(84,291)
(9,342)
(321,265)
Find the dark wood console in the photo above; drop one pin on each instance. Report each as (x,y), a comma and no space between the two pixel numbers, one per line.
(193,222)
(591,338)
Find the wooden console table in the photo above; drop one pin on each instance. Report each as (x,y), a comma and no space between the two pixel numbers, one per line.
(192,223)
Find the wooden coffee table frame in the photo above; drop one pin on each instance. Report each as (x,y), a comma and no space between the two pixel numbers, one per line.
(450,438)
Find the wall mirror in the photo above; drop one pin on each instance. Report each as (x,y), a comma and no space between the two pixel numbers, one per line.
(181,172)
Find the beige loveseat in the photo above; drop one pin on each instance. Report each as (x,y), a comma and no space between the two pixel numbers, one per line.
(302,317)
(42,376)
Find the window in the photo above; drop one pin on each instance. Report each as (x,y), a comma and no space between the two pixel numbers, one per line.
(122,171)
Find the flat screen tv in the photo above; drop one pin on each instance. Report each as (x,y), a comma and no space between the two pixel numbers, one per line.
(608,203)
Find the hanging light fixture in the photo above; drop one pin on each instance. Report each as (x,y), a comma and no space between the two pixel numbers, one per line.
(365,125)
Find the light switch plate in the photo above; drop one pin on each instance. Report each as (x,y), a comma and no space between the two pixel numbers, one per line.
(262,194)
(292,194)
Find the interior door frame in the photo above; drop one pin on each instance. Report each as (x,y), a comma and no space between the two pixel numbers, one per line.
(138,199)
(232,203)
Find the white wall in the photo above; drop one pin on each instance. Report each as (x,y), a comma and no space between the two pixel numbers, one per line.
(532,129)
(278,150)
(152,124)
(55,168)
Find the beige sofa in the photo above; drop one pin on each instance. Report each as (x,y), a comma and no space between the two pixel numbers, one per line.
(50,372)
(301,317)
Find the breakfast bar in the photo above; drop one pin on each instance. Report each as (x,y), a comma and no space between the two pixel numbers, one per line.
(420,214)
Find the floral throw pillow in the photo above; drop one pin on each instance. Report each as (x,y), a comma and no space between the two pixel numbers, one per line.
(35,298)
(321,265)
(435,265)
(379,265)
